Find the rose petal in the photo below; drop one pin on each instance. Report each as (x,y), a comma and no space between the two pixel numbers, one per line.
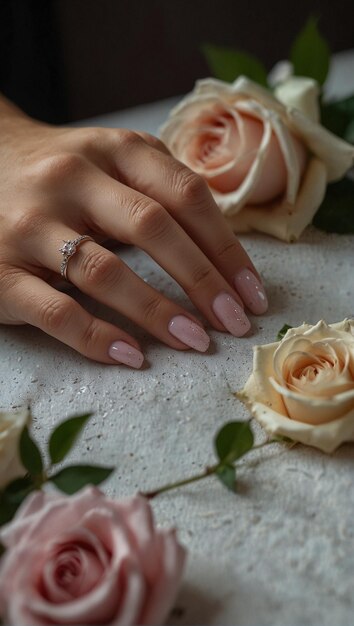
(163,593)
(301,93)
(280,218)
(326,437)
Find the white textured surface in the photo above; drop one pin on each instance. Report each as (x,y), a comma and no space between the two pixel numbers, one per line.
(282,550)
(279,552)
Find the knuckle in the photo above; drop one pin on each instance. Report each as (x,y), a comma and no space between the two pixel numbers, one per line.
(151,309)
(148,218)
(227,247)
(128,139)
(100,267)
(53,169)
(91,336)
(9,277)
(92,137)
(190,187)
(26,223)
(153,141)
(55,313)
(200,278)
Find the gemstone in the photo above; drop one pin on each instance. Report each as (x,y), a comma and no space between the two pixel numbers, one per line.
(68,248)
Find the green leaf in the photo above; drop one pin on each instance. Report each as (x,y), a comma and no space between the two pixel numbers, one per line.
(284,329)
(349,132)
(233,441)
(336,213)
(64,436)
(227,476)
(7,511)
(75,477)
(338,117)
(310,54)
(16,491)
(227,64)
(30,453)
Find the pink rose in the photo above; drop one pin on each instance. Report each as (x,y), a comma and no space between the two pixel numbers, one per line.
(87,559)
(265,157)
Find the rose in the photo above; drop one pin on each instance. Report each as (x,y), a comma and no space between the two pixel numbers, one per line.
(11,426)
(87,559)
(266,159)
(303,386)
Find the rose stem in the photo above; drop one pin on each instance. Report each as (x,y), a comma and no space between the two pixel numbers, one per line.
(192,479)
(209,471)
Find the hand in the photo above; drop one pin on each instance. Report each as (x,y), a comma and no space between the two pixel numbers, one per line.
(57,184)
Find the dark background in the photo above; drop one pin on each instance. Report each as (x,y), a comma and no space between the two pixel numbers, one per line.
(64,60)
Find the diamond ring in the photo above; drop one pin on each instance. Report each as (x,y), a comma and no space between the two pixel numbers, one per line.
(68,250)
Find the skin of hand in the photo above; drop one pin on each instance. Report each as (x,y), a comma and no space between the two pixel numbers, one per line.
(59,183)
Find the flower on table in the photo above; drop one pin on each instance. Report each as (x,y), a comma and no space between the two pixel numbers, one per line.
(303,386)
(11,426)
(266,158)
(87,559)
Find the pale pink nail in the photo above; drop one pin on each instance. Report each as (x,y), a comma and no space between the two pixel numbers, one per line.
(231,315)
(251,291)
(189,333)
(125,353)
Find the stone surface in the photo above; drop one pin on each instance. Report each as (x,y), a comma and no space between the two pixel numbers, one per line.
(281,551)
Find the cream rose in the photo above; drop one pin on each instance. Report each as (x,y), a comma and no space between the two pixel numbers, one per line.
(303,386)
(87,559)
(266,159)
(11,426)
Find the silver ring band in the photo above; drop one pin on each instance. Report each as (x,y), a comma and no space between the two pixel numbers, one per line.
(68,250)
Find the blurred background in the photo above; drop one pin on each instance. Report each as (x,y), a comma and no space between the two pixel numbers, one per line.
(66,60)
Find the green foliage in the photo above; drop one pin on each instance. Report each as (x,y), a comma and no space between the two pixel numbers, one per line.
(75,477)
(65,435)
(30,454)
(227,476)
(284,329)
(232,441)
(13,495)
(336,213)
(338,117)
(227,64)
(310,54)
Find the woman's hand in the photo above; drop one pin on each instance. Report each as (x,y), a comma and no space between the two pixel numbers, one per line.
(57,184)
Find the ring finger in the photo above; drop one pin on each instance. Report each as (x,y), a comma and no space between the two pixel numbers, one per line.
(102,275)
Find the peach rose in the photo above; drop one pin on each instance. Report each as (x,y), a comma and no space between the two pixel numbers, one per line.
(266,159)
(303,386)
(11,426)
(86,559)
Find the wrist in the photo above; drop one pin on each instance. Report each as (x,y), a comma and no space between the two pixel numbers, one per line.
(12,118)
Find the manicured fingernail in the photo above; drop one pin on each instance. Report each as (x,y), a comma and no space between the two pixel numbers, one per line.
(189,333)
(125,353)
(229,312)
(251,291)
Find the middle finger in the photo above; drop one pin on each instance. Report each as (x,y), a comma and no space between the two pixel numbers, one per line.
(127,215)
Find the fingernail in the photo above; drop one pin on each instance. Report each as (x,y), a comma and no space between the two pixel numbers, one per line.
(125,353)
(229,312)
(189,333)
(251,291)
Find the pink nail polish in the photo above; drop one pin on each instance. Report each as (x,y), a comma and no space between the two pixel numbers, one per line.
(125,353)
(189,333)
(251,291)
(231,315)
